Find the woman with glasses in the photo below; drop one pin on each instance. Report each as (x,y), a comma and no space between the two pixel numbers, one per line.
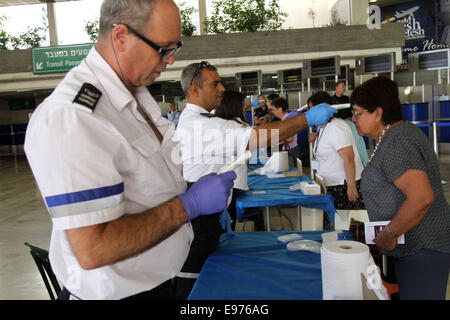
(336,158)
(402,184)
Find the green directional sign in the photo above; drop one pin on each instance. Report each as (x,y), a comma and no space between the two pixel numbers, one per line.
(58,59)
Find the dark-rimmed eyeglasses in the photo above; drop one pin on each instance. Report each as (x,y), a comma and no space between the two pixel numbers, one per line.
(200,66)
(165,53)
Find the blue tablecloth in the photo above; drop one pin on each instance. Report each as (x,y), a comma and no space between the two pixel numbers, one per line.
(269,192)
(262,182)
(256,266)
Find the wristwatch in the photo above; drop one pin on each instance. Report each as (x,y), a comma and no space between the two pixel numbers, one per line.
(392,232)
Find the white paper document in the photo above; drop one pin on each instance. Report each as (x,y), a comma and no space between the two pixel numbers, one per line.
(371,229)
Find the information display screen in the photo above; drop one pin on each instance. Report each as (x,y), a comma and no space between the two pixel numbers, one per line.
(380,63)
(249,78)
(323,67)
(343,76)
(252,78)
(292,76)
(434,60)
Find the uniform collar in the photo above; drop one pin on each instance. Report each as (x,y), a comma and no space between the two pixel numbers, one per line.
(195,108)
(118,94)
(116,91)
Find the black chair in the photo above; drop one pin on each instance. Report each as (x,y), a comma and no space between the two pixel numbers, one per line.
(40,256)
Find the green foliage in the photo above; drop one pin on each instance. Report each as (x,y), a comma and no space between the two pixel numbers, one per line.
(244,16)
(186,12)
(4,38)
(91,28)
(31,38)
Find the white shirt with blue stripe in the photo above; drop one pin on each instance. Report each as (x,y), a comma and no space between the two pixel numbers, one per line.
(96,166)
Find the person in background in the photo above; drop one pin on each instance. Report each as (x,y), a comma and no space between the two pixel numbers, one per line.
(261,111)
(173,114)
(336,159)
(208,143)
(339,96)
(290,145)
(402,184)
(347,115)
(270,98)
(232,108)
(101,154)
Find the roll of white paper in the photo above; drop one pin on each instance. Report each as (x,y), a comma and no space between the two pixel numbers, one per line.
(342,264)
(283,162)
(279,161)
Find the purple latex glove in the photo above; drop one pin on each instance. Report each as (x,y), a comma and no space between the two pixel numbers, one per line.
(320,114)
(208,195)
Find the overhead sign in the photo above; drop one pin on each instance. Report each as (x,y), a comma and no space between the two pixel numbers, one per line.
(426,24)
(58,59)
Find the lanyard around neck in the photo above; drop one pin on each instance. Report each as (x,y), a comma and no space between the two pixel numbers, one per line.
(150,123)
(316,144)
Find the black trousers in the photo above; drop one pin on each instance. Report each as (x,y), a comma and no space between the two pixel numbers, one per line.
(254,214)
(422,275)
(165,291)
(207,231)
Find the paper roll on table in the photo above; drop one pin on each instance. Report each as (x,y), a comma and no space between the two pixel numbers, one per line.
(278,162)
(342,264)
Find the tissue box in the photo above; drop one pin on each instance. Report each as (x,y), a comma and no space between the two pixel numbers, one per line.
(310,188)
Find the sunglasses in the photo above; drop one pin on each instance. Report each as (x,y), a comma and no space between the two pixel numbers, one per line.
(165,53)
(200,66)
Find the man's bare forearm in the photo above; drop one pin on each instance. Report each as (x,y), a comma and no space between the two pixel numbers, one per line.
(262,136)
(103,244)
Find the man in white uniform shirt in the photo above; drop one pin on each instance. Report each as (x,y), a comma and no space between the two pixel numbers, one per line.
(207,143)
(101,154)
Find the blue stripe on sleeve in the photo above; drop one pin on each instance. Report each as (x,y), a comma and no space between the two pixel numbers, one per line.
(85,195)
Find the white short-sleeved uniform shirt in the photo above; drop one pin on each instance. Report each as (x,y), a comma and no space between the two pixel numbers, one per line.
(330,139)
(94,166)
(207,143)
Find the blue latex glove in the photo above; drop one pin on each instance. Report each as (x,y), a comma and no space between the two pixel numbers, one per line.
(320,114)
(208,195)
(225,221)
(255,103)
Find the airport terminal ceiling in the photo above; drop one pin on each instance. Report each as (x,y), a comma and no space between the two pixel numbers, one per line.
(7,3)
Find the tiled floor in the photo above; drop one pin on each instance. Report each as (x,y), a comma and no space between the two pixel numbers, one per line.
(23,218)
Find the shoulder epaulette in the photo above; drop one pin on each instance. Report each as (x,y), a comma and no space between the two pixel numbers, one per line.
(208,115)
(88,96)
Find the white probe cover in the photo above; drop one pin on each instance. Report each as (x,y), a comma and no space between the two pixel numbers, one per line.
(341,106)
(241,159)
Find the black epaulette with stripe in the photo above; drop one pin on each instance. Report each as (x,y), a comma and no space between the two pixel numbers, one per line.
(208,115)
(88,96)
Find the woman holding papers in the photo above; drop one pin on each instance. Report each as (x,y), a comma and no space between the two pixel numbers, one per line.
(401,184)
